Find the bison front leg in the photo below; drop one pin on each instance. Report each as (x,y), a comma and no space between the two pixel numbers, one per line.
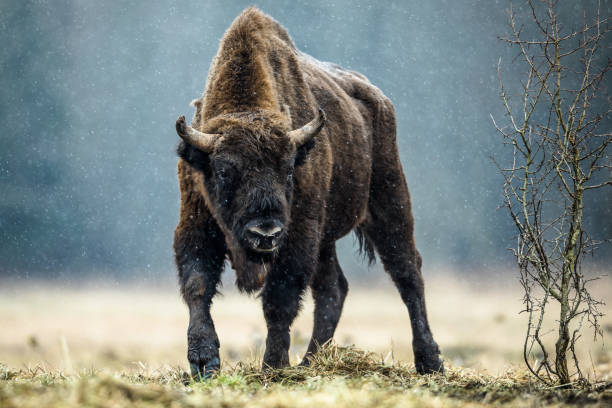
(281,298)
(329,288)
(202,340)
(200,263)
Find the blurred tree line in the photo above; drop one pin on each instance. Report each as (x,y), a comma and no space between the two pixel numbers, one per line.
(40,220)
(90,92)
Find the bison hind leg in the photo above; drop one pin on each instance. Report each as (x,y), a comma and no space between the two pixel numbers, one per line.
(389,228)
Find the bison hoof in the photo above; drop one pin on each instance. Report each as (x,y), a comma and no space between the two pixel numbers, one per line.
(202,351)
(427,357)
(305,362)
(203,359)
(203,370)
(281,361)
(429,365)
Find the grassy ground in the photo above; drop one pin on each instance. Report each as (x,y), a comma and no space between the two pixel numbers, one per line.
(101,345)
(339,377)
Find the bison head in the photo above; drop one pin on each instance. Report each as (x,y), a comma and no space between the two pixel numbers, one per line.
(247,163)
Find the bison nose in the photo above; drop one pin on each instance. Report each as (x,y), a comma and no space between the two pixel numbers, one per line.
(264,236)
(266,231)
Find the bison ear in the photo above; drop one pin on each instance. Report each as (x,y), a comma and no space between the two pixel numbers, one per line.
(196,103)
(304,134)
(196,158)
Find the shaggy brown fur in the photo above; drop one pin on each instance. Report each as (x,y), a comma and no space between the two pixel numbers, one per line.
(348,178)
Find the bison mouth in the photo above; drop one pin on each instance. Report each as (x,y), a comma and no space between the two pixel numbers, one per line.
(261,256)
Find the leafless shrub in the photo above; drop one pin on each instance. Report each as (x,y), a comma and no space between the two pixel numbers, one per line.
(561,152)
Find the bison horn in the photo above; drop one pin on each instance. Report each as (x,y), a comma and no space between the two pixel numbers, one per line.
(202,141)
(308,131)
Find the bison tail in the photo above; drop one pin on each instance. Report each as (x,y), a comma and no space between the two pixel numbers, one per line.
(366,248)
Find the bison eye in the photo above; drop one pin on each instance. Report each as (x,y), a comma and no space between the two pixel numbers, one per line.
(222,170)
(222,175)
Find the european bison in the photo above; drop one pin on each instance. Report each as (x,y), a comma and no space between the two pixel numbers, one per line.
(284,156)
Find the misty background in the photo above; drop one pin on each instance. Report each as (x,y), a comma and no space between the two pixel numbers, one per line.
(90,92)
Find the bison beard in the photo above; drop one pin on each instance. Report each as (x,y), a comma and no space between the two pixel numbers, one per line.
(284,156)
(251,269)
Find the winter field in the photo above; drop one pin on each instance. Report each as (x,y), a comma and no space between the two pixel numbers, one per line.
(115,345)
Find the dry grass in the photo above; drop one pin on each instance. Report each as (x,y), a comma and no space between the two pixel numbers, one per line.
(98,345)
(338,377)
